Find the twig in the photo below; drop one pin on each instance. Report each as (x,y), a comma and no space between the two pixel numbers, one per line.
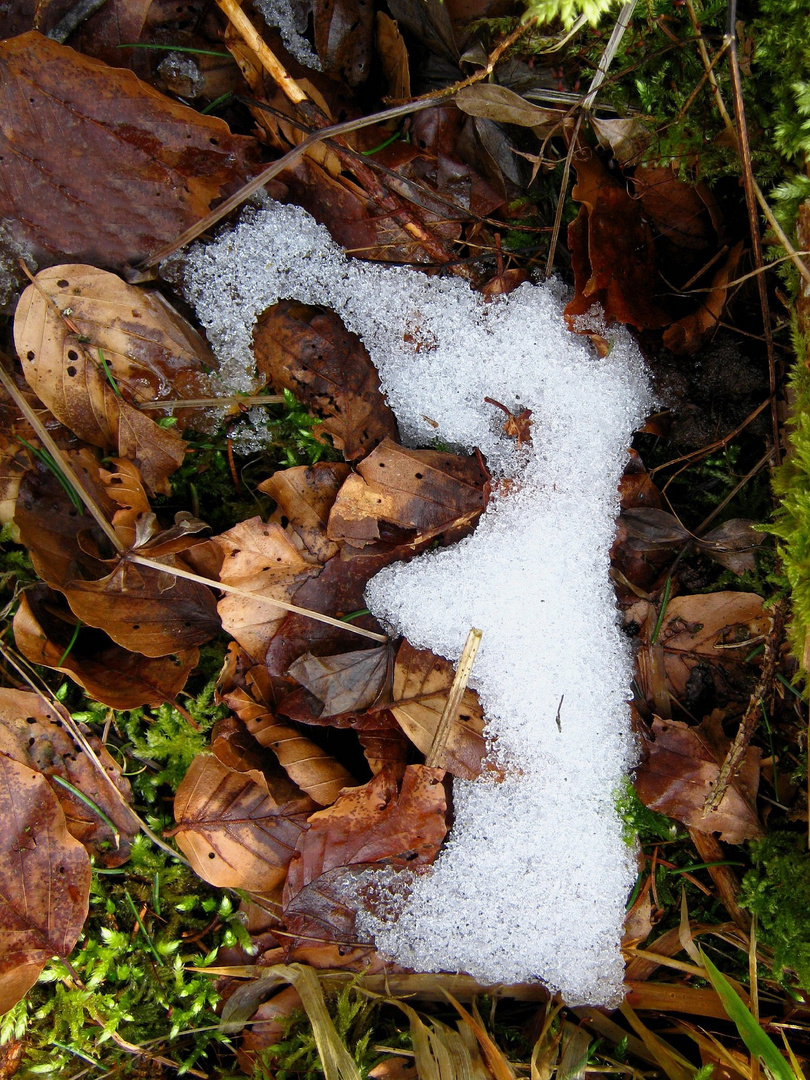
(453,703)
(269,61)
(212,402)
(142,560)
(74,18)
(60,459)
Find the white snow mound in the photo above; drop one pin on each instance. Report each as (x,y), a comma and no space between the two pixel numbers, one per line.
(533,881)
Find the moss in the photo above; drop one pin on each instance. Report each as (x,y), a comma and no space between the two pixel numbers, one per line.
(777,891)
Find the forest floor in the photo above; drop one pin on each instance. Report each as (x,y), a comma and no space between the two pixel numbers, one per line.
(204,731)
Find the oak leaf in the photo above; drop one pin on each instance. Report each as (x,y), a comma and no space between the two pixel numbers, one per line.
(44,880)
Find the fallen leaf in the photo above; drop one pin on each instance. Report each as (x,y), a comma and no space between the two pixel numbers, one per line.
(426,491)
(314,770)
(383,741)
(235,832)
(344,32)
(678,210)
(305,494)
(268,1026)
(151,351)
(348,682)
(33,733)
(392,53)
(378,823)
(44,630)
(733,544)
(627,139)
(44,880)
(689,333)
(69,378)
(308,351)
(258,558)
(650,529)
(100,167)
(499,103)
(681,767)
(422,683)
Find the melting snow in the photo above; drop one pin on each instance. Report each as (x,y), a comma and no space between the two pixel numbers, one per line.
(533,881)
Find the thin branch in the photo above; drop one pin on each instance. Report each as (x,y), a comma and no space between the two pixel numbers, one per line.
(437,748)
(212,402)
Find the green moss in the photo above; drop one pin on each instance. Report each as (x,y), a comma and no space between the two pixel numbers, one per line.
(777,891)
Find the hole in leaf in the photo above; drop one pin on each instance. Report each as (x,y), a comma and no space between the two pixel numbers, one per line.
(71,371)
(72,354)
(62,283)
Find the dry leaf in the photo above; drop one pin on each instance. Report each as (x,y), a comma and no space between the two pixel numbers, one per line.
(237,832)
(422,682)
(426,491)
(44,632)
(305,494)
(44,880)
(100,167)
(493,102)
(392,53)
(376,823)
(151,351)
(309,351)
(348,682)
(260,559)
(344,38)
(681,768)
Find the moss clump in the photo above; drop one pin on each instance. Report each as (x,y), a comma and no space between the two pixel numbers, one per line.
(777,891)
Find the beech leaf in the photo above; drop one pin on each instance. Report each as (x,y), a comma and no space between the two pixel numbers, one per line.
(305,495)
(348,682)
(232,829)
(44,880)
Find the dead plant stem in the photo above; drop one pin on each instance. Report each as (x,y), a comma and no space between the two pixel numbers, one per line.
(435,755)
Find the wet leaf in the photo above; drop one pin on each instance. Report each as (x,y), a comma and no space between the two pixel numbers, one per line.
(33,733)
(100,167)
(732,544)
(308,351)
(424,490)
(688,334)
(305,495)
(393,56)
(344,31)
(422,682)
(314,770)
(383,741)
(376,823)
(348,682)
(650,529)
(259,558)
(44,880)
(493,102)
(150,350)
(44,630)
(237,833)
(681,768)
(627,139)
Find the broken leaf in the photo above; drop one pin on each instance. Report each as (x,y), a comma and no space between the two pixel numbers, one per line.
(305,495)
(681,768)
(309,351)
(424,490)
(344,31)
(100,167)
(44,880)
(376,823)
(422,683)
(348,682)
(237,833)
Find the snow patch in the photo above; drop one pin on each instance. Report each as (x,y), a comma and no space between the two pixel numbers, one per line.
(533,880)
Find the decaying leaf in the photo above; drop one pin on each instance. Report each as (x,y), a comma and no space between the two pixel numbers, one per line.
(309,351)
(392,53)
(426,491)
(376,823)
(348,682)
(151,352)
(68,376)
(44,880)
(99,167)
(305,495)
(33,733)
(237,832)
(314,770)
(258,558)
(422,682)
(683,764)
(503,105)
(45,631)
(688,334)
(344,31)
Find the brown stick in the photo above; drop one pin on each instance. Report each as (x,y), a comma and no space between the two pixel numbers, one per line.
(436,753)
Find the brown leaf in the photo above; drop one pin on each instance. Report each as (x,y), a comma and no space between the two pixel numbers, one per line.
(721,628)
(43,629)
(15,461)
(152,352)
(33,733)
(260,559)
(68,377)
(305,494)
(392,53)
(732,544)
(493,102)
(237,833)
(314,770)
(683,765)
(375,823)
(383,741)
(627,139)
(422,682)
(650,529)
(688,334)
(344,31)
(424,490)
(612,252)
(679,211)
(100,167)
(309,351)
(348,682)
(44,880)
